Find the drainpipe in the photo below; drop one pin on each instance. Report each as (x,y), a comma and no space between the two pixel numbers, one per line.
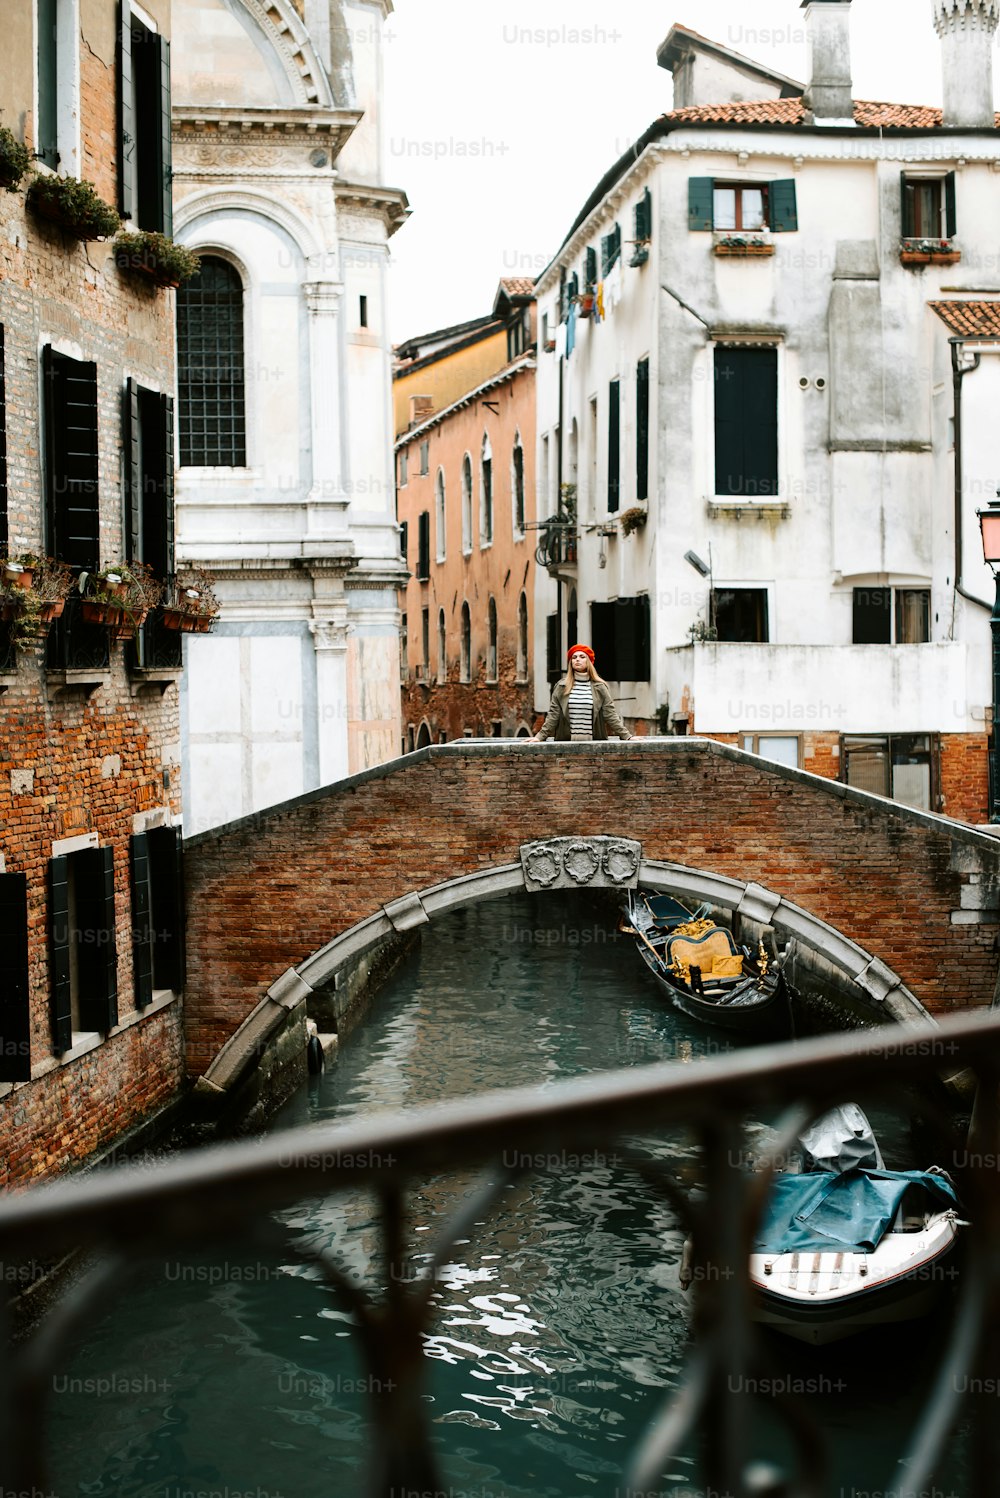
(559,484)
(958,372)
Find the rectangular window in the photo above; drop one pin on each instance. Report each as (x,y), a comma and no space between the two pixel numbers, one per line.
(891,616)
(211,376)
(554,665)
(157,888)
(620,635)
(928,207)
(900,766)
(589,268)
(71,466)
(782,748)
(424,546)
(404,538)
(144,149)
(614,456)
(611,248)
(15,1012)
(518,476)
(3,448)
(425,639)
(363,311)
(734,207)
(913,616)
(402,468)
(642,429)
(740,614)
(403,657)
(746,422)
(83,952)
(148,432)
(425,458)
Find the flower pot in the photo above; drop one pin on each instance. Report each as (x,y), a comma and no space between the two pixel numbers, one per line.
(149,270)
(172,618)
(17,574)
(744,249)
(188,623)
(95,612)
(202,623)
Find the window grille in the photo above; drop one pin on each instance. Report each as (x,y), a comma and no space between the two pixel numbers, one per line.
(211,379)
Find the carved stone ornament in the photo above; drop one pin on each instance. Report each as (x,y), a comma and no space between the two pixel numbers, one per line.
(578,862)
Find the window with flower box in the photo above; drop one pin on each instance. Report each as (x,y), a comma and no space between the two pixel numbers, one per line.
(742,207)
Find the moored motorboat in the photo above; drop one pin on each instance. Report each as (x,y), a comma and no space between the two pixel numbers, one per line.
(704,971)
(846,1245)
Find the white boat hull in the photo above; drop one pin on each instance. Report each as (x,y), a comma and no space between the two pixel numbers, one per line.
(822,1297)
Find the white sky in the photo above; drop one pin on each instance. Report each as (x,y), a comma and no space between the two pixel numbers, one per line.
(500,119)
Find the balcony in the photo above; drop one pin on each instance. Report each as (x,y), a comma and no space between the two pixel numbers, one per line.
(557,546)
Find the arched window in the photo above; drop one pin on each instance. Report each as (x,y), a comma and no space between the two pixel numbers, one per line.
(467,504)
(522,638)
(486,493)
(465,664)
(517,485)
(439,514)
(210,373)
(442,648)
(491,643)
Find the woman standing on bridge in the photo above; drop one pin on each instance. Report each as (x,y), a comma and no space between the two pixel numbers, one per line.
(582,706)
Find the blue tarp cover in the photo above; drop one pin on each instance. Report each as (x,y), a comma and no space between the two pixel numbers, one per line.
(852,1211)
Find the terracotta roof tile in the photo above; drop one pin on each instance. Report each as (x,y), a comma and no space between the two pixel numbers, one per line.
(970,319)
(792,112)
(517,285)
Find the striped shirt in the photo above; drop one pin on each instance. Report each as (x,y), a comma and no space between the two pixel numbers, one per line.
(580,708)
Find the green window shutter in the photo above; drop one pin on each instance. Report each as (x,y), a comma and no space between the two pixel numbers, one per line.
(3,449)
(133,476)
(166,878)
(126,114)
(642,429)
(590,268)
(165,163)
(142,928)
(701,202)
(905,207)
(97,954)
(15,1010)
(950,217)
(614,453)
(46,130)
(632,639)
(784,212)
(167,435)
(746,423)
(602,639)
(71,458)
(59,938)
(424,545)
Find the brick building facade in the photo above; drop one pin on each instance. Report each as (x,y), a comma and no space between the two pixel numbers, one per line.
(91,949)
(466,506)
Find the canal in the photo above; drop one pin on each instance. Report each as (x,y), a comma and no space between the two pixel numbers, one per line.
(560,1325)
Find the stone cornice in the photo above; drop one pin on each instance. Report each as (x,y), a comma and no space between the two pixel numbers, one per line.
(390,203)
(271,127)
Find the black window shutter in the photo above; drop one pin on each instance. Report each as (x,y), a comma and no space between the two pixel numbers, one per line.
(590,268)
(614,424)
(59,940)
(905,207)
(15,1011)
(701,202)
(784,211)
(632,639)
(602,639)
(166,877)
(166,165)
(167,432)
(424,545)
(126,114)
(46,123)
(3,448)
(133,474)
(553,647)
(97,954)
(950,217)
(71,466)
(404,538)
(872,616)
(142,928)
(746,422)
(642,429)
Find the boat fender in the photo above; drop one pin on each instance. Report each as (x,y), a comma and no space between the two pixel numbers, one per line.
(314,1049)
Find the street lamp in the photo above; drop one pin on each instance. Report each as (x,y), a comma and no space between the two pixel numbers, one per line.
(989,524)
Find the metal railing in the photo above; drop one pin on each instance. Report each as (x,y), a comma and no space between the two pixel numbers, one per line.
(236,1189)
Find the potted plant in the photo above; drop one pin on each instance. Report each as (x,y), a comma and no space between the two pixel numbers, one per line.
(74,205)
(31,609)
(14,160)
(585,303)
(742,244)
(156,257)
(640,252)
(920,251)
(192,604)
(17,571)
(633,519)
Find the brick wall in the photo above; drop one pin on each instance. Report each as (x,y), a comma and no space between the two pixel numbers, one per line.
(265,893)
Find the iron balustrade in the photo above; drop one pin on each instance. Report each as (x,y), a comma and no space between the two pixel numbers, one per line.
(557,543)
(73,644)
(197,1199)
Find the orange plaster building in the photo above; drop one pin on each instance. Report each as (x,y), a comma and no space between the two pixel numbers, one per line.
(465,500)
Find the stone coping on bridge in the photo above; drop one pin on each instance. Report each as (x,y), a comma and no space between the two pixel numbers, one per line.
(647,744)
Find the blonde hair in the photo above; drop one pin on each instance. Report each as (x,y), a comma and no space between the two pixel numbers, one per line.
(571,677)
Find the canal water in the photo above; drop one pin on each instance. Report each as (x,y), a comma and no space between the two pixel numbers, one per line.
(559,1326)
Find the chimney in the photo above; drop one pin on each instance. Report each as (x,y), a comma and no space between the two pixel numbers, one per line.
(421,406)
(828,96)
(966,30)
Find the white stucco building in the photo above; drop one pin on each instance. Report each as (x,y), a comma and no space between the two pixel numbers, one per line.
(285,485)
(787,276)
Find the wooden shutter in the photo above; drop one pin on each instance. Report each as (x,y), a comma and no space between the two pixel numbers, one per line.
(133,485)
(15,1010)
(905,207)
(746,422)
(632,639)
(642,429)
(166,878)
(142,928)
(602,639)
(46,124)
(97,954)
(59,940)
(950,217)
(167,432)
(71,466)
(701,202)
(784,211)
(3,448)
(166,225)
(424,545)
(553,647)
(126,114)
(614,423)
(590,268)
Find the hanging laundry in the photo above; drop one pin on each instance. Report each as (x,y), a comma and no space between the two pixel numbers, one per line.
(599,303)
(613,287)
(561,341)
(571,330)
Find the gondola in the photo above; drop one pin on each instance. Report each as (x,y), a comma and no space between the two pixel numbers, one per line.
(846,1245)
(702,969)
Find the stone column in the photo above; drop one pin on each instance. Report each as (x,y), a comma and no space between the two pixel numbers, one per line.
(326,502)
(330,643)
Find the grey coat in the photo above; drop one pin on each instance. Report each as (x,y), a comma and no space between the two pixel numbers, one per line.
(606,716)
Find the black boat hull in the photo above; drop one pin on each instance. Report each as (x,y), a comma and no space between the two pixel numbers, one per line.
(764,1009)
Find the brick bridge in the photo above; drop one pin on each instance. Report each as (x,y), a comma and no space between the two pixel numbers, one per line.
(902,902)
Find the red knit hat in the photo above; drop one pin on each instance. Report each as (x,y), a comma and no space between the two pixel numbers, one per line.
(574,648)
